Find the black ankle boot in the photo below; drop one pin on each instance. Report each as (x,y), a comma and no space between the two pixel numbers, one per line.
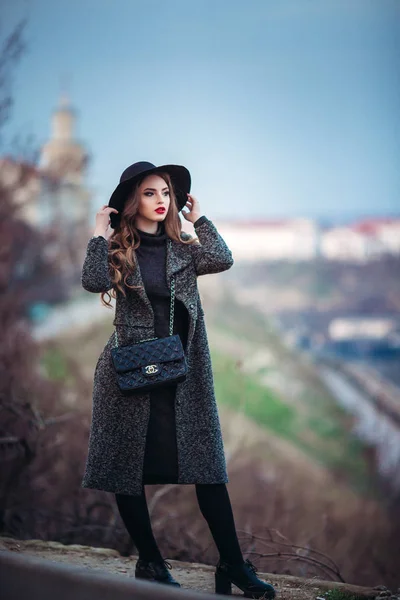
(244,577)
(155,571)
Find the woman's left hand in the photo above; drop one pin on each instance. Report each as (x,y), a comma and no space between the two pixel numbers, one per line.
(194,211)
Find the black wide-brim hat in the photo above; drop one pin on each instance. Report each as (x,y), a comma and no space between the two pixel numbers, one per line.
(180,178)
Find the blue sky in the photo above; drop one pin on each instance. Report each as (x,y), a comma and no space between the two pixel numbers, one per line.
(277,107)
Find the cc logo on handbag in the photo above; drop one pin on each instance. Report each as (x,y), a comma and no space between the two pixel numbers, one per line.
(151,369)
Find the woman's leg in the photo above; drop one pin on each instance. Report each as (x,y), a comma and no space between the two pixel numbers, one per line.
(135,515)
(215,505)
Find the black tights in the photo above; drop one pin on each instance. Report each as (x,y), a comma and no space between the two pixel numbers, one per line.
(215,506)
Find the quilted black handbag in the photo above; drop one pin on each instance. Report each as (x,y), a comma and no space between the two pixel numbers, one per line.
(150,363)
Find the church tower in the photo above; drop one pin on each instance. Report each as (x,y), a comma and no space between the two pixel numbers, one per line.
(64,201)
(63,156)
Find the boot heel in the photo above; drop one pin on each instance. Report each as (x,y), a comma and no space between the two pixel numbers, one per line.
(222,585)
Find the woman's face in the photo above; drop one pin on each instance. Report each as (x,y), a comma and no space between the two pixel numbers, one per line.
(153,196)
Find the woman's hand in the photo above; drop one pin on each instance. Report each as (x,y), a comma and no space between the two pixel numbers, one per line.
(194,211)
(103,220)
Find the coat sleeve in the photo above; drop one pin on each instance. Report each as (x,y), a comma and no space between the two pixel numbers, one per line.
(212,255)
(95,271)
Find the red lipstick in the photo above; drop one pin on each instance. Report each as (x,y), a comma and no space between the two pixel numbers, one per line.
(160,210)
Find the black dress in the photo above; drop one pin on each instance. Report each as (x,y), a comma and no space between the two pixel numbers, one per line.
(161,456)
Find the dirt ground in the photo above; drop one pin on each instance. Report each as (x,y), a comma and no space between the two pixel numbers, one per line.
(191,575)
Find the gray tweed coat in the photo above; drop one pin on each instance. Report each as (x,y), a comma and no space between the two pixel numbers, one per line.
(119,423)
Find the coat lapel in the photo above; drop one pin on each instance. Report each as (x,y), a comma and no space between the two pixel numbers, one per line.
(135,278)
(178,257)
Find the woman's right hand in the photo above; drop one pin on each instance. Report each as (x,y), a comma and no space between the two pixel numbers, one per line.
(103,219)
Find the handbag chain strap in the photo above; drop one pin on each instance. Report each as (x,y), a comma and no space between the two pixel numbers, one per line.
(171,313)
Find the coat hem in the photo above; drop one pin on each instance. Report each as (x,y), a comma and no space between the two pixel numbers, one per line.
(115,490)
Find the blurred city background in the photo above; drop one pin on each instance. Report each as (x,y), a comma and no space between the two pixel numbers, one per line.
(287,116)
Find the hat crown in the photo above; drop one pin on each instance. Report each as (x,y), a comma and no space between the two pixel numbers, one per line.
(136,169)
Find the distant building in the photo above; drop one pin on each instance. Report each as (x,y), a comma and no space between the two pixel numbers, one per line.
(364,335)
(362,241)
(53,194)
(349,244)
(362,327)
(270,240)
(63,156)
(384,230)
(304,239)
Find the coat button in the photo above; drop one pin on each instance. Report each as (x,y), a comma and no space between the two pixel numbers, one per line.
(191,305)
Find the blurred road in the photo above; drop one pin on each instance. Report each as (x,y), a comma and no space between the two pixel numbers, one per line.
(371,425)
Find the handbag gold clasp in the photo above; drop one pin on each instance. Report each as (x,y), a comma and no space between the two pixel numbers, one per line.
(151,369)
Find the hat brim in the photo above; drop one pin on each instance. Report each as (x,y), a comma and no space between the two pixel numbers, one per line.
(180,178)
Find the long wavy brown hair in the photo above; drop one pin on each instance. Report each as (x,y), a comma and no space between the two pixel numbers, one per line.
(125,239)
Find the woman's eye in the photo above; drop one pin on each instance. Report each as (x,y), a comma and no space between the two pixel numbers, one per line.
(151,193)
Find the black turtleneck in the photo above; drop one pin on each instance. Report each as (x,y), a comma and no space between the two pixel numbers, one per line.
(152,255)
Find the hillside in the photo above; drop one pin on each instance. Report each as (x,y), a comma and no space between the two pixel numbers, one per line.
(304,493)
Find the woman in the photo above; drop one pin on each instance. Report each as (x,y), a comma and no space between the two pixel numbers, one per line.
(170,434)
